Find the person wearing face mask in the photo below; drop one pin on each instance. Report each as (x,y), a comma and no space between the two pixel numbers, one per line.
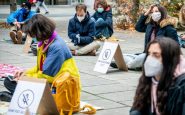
(103,20)
(182,23)
(161,87)
(155,22)
(17,19)
(53,55)
(81,31)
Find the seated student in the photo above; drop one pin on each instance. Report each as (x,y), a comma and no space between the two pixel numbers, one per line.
(182,23)
(159,24)
(103,20)
(17,19)
(53,56)
(81,31)
(161,87)
(96,3)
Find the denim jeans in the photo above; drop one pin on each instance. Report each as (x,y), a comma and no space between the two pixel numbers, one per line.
(39,4)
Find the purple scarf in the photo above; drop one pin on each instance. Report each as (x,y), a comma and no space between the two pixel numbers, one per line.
(51,39)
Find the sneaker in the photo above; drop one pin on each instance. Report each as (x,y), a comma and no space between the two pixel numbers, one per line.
(5,96)
(38,10)
(73,52)
(19,37)
(13,37)
(113,64)
(92,53)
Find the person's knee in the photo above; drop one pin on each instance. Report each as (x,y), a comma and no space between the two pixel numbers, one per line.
(99,21)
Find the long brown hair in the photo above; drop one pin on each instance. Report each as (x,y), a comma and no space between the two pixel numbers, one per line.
(40,27)
(170,58)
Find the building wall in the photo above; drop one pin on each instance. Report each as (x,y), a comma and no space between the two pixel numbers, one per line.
(56,2)
(4,2)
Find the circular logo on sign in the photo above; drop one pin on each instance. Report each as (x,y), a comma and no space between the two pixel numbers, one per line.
(106,54)
(25,99)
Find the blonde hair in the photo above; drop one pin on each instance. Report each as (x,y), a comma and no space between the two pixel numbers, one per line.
(182,16)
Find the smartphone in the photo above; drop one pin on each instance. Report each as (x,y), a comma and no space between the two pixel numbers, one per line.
(10,77)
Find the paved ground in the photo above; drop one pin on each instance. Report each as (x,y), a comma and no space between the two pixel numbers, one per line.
(113,91)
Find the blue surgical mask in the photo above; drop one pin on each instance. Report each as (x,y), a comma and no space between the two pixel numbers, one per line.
(100,10)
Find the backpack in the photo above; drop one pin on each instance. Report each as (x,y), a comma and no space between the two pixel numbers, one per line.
(66,93)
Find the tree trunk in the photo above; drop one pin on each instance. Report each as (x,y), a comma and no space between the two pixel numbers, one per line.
(13,6)
(135,9)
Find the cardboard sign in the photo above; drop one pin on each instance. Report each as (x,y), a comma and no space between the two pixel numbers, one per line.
(110,50)
(32,96)
(27,44)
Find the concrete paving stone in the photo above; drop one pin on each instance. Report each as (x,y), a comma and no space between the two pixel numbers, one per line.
(104,89)
(87,97)
(90,59)
(86,76)
(127,102)
(86,67)
(131,83)
(96,82)
(25,65)
(105,104)
(117,111)
(9,56)
(121,75)
(119,96)
(23,60)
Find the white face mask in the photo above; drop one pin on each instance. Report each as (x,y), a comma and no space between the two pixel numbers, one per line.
(80,18)
(153,67)
(156,16)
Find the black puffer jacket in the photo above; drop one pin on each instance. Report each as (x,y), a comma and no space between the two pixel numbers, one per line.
(165,28)
(175,100)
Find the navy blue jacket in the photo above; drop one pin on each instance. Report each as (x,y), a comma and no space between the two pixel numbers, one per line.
(107,17)
(86,29)
(164,29)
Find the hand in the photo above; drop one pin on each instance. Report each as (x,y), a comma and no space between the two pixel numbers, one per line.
(183,37)
(17,75)
(149,10)
(17,24)
(78,38)
(100,19)
(93,19)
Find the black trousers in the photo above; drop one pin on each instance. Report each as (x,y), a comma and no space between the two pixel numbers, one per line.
(10,85)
